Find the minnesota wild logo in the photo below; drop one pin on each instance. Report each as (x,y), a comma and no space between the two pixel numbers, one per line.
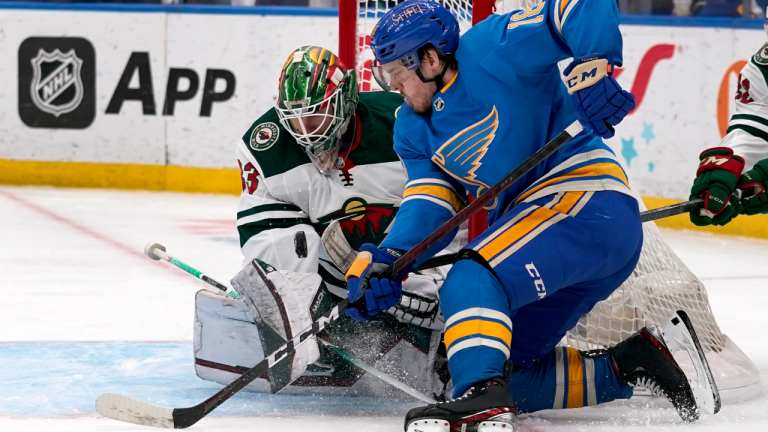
(362,222)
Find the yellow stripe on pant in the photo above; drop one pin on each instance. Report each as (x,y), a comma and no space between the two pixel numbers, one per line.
(527,225)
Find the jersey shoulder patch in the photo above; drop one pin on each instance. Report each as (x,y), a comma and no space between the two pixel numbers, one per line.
(761,57)
(272,146)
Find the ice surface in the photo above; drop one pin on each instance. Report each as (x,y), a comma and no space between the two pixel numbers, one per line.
(84,312)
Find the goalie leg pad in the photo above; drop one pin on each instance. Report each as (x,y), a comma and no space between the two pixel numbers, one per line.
(280,303)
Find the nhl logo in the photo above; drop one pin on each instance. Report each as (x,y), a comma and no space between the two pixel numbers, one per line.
(56,86)
(439,104)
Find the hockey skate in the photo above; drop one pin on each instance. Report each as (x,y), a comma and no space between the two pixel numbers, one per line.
(645,359)
(485,407)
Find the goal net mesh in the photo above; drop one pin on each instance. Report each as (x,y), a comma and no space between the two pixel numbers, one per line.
(659,285)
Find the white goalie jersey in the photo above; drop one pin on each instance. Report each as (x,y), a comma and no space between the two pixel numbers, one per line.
(285,206)
(748,128)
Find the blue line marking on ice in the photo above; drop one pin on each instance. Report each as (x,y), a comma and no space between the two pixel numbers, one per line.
(64,379)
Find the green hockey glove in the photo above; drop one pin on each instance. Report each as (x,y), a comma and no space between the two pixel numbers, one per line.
(716,179)
(753,183)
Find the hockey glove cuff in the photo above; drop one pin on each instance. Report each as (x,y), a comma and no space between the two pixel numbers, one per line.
(598,98)
(369,293)
(753,183)
(716,178)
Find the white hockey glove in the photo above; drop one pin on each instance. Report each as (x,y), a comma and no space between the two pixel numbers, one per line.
(280,302)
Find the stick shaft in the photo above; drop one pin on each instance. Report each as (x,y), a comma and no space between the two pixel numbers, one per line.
(379,374)
(196,273)
(542,154)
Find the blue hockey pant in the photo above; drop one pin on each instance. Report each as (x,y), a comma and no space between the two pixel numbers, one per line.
(544,264)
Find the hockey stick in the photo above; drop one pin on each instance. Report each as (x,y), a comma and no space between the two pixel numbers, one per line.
(378,374)
(128,410)
(157,251)
(516,174)
(132,411)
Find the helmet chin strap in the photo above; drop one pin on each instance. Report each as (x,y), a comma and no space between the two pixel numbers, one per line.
(438,79)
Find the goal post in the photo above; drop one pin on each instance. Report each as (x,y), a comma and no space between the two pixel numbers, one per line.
(661,282)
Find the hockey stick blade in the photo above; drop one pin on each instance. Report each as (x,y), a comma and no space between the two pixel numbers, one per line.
(131,411)
(491,194)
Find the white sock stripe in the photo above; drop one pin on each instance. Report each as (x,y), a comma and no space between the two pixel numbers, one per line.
(479,313)
(476,342)
(560,377)
(528,237)
(589,370)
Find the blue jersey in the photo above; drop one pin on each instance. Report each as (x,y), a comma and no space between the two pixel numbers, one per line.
(506,102)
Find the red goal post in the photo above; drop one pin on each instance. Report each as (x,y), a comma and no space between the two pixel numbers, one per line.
(356,20)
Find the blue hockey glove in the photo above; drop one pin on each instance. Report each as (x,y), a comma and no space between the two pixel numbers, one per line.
(378,294)
(598,98)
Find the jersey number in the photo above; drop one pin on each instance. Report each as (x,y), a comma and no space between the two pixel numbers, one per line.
(742,94)
(248,177)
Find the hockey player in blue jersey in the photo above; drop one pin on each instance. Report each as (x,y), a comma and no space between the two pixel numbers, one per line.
(559,240)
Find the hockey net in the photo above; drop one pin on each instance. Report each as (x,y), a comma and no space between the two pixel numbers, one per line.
(659,285)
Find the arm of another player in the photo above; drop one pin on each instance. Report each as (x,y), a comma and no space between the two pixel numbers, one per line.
(274,231)
(590,29)
(430,199)
(748,133)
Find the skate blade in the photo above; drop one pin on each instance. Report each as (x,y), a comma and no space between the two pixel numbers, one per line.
(428,425)
(499,423)
(679,334)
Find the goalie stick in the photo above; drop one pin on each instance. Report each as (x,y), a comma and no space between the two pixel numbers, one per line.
(125,409)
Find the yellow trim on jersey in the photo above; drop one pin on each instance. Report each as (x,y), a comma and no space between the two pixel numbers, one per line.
(441,192)
(575,380)
(516,232)
(480,328)
(598,169)
(120,176)
(563,5)
(450,83)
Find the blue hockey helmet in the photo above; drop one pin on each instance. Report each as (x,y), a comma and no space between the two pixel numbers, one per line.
(411,25)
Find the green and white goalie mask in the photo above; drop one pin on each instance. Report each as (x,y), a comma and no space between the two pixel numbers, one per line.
(317,100)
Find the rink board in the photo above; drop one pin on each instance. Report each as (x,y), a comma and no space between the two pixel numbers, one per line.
(683,73)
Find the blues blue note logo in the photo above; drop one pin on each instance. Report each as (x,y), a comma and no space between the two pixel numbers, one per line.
(462,155)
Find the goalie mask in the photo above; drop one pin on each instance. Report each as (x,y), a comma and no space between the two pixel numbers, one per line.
(317,100)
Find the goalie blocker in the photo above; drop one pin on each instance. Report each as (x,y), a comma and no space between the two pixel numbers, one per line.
(232,336)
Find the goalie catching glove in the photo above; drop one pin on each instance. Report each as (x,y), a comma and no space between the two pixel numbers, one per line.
(753,183)
(598,98)
(715,182)
(377,294)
